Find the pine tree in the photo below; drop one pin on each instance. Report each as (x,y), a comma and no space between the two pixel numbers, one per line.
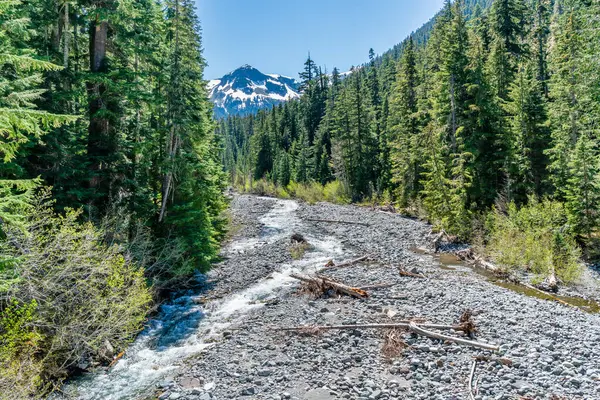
(314,85)
(101,142)
(583,186)
(482,133)
(20,121)
(405,128)
(284,170)
(192,180)
(506,17)
(303,157)
(541,32)
(528,138)
(566,92)
(447,177)
(375,118)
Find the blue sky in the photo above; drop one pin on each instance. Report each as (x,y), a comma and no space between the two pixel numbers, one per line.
(275,36)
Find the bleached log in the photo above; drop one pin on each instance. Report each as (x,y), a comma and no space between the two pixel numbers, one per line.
(413,327)
(345,263)
(335,221)
(337,286)
(434,335)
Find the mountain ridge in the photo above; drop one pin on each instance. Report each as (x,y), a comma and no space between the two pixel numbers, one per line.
(246,90)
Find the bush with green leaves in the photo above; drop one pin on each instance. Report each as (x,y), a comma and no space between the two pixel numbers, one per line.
(68,300)
(535,238)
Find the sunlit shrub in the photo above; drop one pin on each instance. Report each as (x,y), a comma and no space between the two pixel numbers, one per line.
(75,300)
(311,192)
(20,365)
(336,192)
(536,238)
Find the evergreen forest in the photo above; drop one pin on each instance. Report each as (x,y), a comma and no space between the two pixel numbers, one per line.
(110,178)
(113,170)
(486,123)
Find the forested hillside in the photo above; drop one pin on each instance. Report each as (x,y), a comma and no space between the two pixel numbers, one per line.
(489,130)
(110,182)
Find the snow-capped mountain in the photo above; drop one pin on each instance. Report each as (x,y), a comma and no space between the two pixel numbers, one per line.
(247,90)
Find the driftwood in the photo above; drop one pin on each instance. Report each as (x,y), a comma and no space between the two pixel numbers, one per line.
(412,326)
(531,287)
(404,324)
(328,283)
(116,359)
(551,282)
(434,335)
(438,238)
(335,221)
(470,385)
(348,263)
(468,255)
(410,274)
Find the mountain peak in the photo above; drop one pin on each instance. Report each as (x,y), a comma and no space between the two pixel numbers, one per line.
(246,90)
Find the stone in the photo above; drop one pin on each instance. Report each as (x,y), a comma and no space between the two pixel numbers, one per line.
(190,383)
(248,391)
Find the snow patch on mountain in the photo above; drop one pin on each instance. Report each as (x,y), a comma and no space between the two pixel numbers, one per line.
(247,90)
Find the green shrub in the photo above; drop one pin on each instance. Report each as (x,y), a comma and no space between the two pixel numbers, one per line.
(535,238)
(20,366)
(281,193)
(311,192)
(76,301)
(336,192)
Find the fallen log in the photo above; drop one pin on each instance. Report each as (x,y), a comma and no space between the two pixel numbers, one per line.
(410,274)
(470,385)
(413,327)
(348,263)
(549,295)
(469,256)
(395,325)
(434,335)
(328,283)
(336,221)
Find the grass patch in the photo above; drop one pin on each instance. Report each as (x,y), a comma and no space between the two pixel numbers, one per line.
(298,249)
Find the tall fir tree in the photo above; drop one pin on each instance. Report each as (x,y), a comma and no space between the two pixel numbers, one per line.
(405,127)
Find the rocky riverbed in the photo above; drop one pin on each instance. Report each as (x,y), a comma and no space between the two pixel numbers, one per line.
(547,350)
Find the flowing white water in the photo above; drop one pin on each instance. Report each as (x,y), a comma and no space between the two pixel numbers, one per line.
(183,327)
